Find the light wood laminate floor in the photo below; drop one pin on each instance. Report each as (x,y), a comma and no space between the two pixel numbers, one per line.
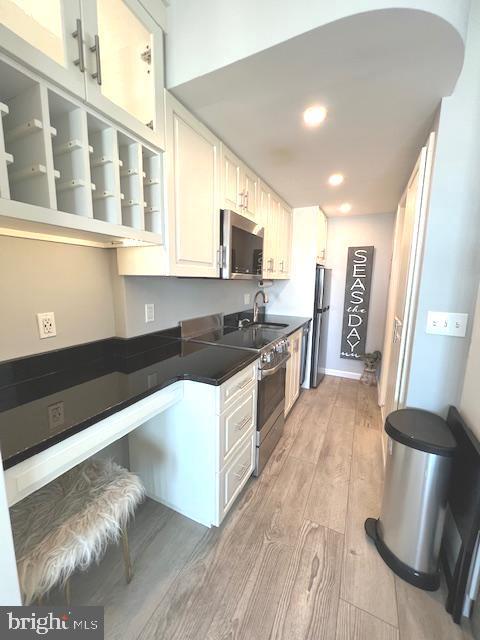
(290,562)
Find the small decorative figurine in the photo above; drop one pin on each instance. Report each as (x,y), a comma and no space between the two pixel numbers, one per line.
(369,375)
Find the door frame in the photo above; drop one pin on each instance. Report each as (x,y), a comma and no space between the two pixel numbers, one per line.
(424,166)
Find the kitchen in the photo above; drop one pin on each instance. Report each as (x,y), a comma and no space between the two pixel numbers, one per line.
(177,293)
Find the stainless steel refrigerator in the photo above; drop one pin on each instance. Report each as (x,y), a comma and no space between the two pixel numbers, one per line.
(323,279)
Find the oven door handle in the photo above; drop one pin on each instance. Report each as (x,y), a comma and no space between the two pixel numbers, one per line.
(264,373)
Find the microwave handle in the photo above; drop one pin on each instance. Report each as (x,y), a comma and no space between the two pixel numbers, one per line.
(221,256)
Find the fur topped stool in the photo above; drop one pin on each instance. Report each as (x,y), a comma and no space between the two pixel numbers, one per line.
(68,524)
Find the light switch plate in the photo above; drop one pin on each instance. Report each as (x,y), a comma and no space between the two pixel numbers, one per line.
(447,324)
(246,298)
(149,312)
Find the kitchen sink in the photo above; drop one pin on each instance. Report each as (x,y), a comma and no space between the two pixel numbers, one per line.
(268,325)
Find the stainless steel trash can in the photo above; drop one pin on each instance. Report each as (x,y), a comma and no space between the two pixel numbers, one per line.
(409,531)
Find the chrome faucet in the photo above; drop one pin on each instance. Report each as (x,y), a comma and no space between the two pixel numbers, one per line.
(256,308)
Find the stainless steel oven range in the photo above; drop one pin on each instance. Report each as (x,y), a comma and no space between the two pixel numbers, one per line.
(271,400)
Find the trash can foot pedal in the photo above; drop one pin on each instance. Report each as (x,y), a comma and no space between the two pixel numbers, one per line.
(371,528)
(426,581)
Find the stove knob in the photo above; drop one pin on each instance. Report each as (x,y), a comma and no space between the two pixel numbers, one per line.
(279,347)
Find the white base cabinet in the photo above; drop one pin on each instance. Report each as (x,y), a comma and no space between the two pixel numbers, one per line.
(197,456)
(292,377)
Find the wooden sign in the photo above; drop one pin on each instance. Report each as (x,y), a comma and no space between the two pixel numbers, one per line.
(357,298)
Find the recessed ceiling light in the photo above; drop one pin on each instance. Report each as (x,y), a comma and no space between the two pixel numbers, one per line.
(345,207)
(313,116)
(335,179)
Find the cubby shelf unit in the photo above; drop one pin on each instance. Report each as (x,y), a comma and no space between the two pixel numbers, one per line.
(68,173)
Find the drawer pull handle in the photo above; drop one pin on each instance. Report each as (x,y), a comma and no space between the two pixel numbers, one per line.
(243,423)
(241,472)
(243,384)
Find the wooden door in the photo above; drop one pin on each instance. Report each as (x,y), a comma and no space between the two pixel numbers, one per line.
(192,188)
(46,35)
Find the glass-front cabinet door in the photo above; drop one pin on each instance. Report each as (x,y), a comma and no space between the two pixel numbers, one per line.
(46,35)
(124,50)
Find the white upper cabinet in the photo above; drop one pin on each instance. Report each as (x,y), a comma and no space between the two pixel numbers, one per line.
(107,52)
(124,60)
(192,194)
(47,36)
(321,237)
(250,194)
(232,194)
(239,185)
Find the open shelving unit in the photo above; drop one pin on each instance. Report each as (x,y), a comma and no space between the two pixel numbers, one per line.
(131,180)
(26,139)
(71,157)
(153,189)
(68,173)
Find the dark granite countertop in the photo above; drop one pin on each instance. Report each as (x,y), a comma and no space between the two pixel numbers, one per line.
(90,382)
(96,380)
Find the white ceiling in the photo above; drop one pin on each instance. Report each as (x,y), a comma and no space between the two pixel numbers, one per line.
(380,74)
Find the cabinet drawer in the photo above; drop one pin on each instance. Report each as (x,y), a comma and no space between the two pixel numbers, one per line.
(236,474)
(233,388)
(236,421)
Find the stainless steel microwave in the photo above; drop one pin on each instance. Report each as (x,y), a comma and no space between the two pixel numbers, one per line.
(241,247)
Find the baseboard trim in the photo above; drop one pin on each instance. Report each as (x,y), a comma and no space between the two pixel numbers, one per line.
(338,373)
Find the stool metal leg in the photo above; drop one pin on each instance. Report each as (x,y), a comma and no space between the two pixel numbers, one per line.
(126,557)
(66,591)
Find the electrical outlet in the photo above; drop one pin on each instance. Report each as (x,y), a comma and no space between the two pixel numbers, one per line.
(46,325)
(56,415)
(152,380)
(246,298)
(447,324)
(149,312)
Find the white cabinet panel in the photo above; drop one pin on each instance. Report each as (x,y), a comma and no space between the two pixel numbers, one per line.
(45,36)
(193,211)
(292,378)
(232,194)
(239,185)
(321,237)
(250,190)
(124,59)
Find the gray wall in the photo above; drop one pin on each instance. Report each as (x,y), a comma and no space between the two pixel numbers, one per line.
(174,299)
(352,231)
(450,271)
(72,281)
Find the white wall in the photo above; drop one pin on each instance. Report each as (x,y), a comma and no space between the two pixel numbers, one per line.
(451,264)
(72,281)
(175,299)
(344,232)
(470,401)
(225,31)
